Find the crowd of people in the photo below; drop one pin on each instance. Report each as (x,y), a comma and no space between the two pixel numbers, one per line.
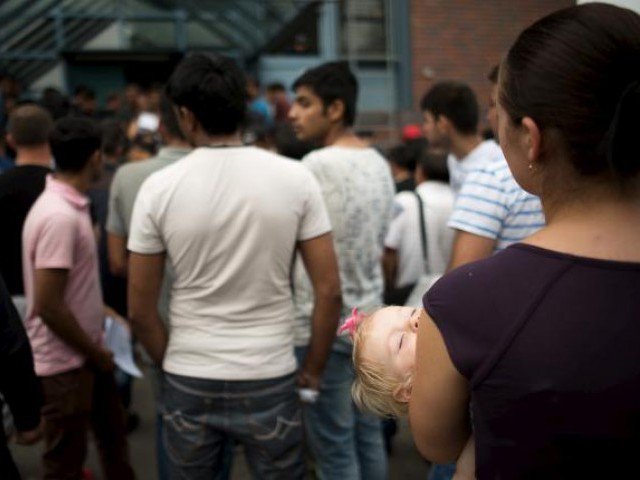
(233,233)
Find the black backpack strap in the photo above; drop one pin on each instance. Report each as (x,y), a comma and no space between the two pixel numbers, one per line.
(422,221)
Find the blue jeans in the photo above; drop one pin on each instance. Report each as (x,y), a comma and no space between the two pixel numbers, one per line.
(346,444)
(157,383)
(201,416)
(442,472)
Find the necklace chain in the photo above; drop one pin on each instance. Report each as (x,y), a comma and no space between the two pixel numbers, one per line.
(224,145)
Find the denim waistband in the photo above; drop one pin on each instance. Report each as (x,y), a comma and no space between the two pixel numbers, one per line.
(228,388)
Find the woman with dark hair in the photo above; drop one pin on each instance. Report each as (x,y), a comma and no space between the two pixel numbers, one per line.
(536,349)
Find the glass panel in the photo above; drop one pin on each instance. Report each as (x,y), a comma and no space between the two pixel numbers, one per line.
(151,34)
(201,35)
(298,38)
(363,27)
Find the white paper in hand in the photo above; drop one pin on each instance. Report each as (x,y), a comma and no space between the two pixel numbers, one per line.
(118,339)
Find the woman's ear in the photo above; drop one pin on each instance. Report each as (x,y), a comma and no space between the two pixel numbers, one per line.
(531,138)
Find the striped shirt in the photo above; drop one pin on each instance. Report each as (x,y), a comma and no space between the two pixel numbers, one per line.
(491,204)
(459,168)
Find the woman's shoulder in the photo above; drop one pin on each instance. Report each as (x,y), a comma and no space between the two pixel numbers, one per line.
(473,305)
(506,266)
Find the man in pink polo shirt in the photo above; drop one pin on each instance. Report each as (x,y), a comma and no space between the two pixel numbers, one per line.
(65,313)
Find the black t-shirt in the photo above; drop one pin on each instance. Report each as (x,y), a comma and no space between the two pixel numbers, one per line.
(406,185)
(19,189)
(550,345)
(18,382)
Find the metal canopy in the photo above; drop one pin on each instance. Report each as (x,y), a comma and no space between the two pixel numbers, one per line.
(36,33)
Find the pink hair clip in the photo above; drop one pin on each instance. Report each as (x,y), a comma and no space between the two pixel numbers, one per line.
(351,323)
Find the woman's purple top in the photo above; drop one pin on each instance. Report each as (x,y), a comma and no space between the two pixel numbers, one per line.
(550,345)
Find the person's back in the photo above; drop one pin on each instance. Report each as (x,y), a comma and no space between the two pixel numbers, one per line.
(418,242)
(540,340)
(231,309)
(555,371)
(28,132)
(358,192)
(19,386)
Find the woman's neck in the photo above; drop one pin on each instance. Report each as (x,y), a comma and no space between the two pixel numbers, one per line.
(598,223)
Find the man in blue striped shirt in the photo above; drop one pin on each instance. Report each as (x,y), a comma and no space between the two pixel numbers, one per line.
(491,213)
(491,210)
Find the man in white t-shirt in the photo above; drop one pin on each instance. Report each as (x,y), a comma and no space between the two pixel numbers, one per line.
(406,257)
(358,189)
(229,219)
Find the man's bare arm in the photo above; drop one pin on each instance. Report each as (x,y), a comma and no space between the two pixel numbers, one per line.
(468,247)
(319,258)
(145,281)
(50,285)
(118,255)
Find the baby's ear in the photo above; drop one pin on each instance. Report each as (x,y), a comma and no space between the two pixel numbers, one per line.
(402,393)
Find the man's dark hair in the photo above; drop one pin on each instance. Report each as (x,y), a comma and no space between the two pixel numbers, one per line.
(408,154)
(112,96)
(213,88)
(333,81)
(433,164)
(55,102)
(30,125)
(276,87)
(73,141)
(114,139)
(456,101)
(169,120)
(398,156)
(85,92)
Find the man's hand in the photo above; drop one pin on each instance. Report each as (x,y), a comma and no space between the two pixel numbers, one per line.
(110,312)
(29,437)
(50,285)
(103,360)
(308,380)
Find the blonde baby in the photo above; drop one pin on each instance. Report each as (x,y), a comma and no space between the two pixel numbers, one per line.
(384,351)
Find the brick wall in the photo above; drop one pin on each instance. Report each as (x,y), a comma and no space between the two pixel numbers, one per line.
(463,39)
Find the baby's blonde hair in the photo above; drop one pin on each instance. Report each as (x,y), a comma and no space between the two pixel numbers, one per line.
(374,386)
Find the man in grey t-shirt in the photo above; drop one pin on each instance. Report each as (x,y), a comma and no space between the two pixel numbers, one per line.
(122,196)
